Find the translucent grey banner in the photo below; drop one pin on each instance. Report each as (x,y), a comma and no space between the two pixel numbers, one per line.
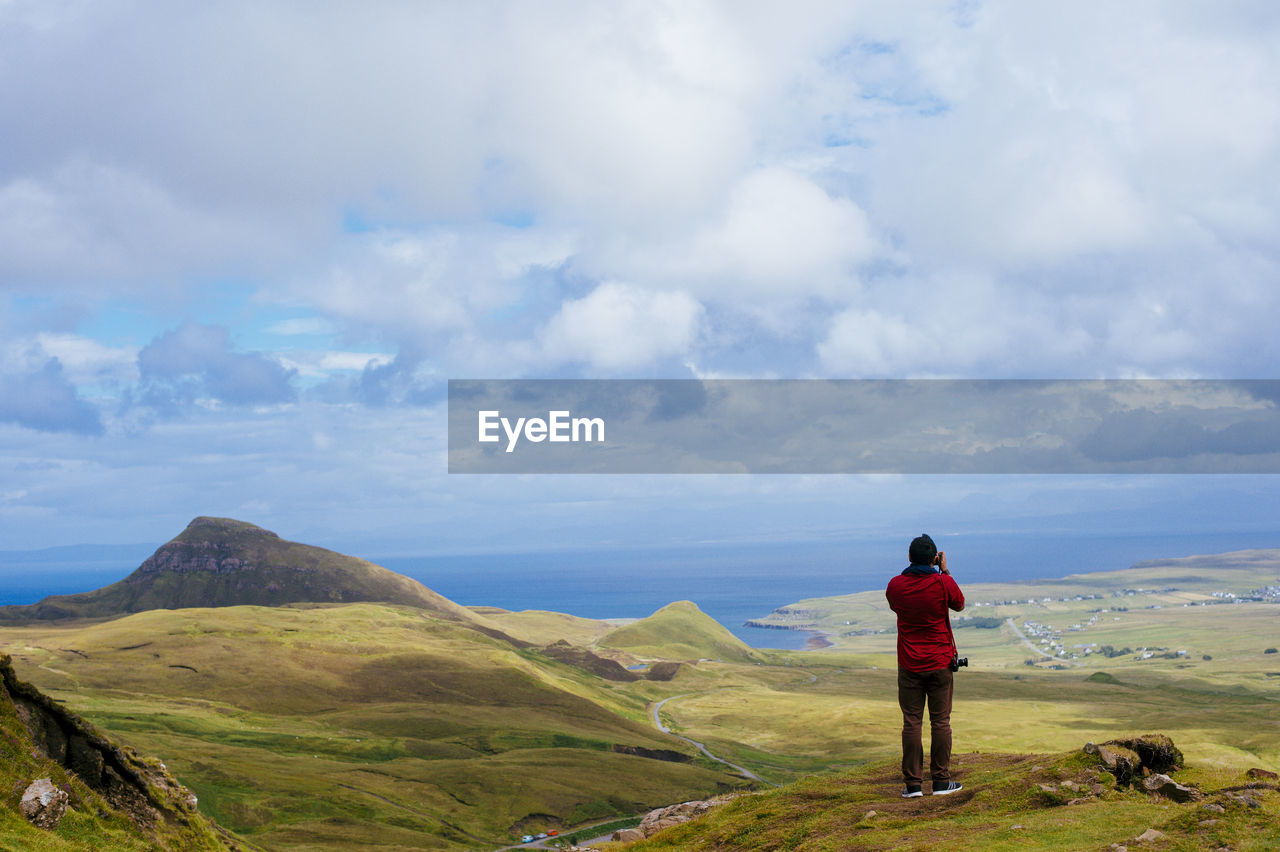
(857,426)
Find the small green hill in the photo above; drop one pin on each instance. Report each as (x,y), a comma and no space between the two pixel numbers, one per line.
(678,631)
(218,562)
(116,799)
(1064,802)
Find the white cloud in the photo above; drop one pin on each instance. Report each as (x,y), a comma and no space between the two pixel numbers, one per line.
(107,230)
(86,361)
(620,326)
(779,237)
(302,326)
(313,364)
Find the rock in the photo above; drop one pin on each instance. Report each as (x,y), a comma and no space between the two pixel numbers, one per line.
(1048,788)
(628,835)
(1155,751)
(1213,808)
(1071,785)
(660,818)
(1017,827)
(43,803)
(1121,761)
(1165,786)
(869,815)
(1150,836)
(1261,773)
(1097,789)
(1077,801)
(1208,822)
(1119,847)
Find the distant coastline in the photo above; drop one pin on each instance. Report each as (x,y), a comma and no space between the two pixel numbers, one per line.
(735,584)
(815,641)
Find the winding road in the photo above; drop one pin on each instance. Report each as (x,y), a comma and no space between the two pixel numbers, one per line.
(702,748)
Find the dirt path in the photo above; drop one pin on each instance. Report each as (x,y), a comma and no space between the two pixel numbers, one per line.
(702,748)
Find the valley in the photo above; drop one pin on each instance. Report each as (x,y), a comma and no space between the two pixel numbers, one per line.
(421,724)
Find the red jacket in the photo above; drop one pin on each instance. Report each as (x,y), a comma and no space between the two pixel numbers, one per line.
(921,602)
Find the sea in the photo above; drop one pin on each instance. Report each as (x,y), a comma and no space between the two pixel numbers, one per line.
(732,582)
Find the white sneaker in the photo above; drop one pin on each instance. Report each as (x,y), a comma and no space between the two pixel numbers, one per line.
(912,791)
(947,788)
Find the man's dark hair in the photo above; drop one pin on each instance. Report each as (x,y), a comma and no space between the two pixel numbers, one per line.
(922,550)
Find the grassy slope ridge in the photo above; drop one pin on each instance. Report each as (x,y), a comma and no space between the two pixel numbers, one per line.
(1003,807)
(364,725)
(678,631)
(93,820)
(223,562)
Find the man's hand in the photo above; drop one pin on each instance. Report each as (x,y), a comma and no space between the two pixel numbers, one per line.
(941,561)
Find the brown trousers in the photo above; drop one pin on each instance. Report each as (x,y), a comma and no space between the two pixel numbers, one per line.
(915,689)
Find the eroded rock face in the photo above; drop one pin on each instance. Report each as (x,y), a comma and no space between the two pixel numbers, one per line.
(143,790)
(43,803)
(187,557)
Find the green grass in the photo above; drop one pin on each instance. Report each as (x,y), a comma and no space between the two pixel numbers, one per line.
(372,726)
(1002,807)
(91,823)
(678,631)
(364,725)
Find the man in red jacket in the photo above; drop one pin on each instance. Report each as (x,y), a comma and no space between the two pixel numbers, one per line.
(921,596)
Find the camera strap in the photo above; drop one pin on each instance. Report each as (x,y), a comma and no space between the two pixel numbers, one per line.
(946,614)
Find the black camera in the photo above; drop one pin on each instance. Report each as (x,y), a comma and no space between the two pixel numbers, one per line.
(957,662)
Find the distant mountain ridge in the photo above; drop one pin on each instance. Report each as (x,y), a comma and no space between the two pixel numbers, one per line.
(218,562)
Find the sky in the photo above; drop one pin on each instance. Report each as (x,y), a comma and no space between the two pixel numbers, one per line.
(244,246)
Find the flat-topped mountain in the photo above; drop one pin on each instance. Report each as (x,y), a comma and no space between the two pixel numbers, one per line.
(219,562)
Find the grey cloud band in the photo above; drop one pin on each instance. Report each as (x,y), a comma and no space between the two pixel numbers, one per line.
(864,426)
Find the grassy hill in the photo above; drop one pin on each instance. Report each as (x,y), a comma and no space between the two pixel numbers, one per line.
(222,562)
(364,725)
(1062,801)
(118,800)
(678,631)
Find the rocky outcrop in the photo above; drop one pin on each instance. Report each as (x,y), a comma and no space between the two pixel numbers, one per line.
(44,803)
(660,818)
(141,789)
(1121,762)
(1135,757)
(1163,785)
(1156,751)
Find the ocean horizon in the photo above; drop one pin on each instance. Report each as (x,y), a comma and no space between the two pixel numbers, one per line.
(732,583)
